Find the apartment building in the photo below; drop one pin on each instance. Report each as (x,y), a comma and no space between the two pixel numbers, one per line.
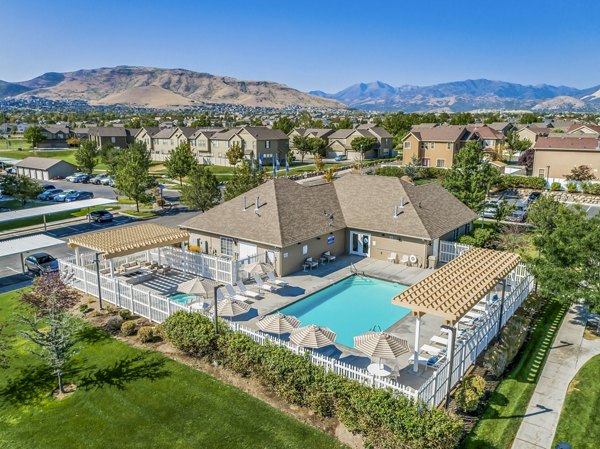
(256,141)
(556,156)
(435,147)
(340,142)
(117,136)
(492,141)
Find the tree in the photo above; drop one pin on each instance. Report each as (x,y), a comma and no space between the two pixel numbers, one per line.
(235,153)
(471,175)
(461,118)
(529,118)
(344,123)
(244,178)
(202,121)
(363,145)
(180,162)
(284,123)
(319,164)
(329,175)
(131,172)
(568,244)
(109,155)
(516,145)
(51,328)
(581,173)
(87,156)
(20,187)
(317,146)
(302,145)
(527,158)
(202,189)
(413,168)
(34,135)
(73,141)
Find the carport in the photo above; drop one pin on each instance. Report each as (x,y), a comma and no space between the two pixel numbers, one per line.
(44,211)
(24,245)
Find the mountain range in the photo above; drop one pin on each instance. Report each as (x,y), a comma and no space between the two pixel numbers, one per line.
(468,95)
(159,88)
(165,88)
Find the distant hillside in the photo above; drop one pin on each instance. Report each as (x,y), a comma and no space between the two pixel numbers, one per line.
(159,88)
(466,95)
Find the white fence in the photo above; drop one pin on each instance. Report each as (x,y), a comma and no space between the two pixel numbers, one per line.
(520,283)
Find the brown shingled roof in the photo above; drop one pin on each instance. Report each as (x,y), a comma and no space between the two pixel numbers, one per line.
(567,143)
(440,133)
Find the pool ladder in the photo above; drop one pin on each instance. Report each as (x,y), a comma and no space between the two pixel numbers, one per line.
(376,328)
(353,270)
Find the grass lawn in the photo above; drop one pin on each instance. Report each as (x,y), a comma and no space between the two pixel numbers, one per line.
(579,424)
(65,155)
(129,398)
(504,412)
(50,218)
(14,144)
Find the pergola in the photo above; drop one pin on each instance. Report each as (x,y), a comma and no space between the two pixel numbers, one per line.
(128,240)
(453,290)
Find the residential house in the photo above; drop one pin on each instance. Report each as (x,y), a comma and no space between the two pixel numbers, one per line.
(44,168)
(555,156)
(117,136)
(55,136)
(291,222)
(200,143)
(532,133)
(145,135)
(503,127)
(584,129)
(258,142)
(492,141)
(436,147)
(322,133)
(340,142)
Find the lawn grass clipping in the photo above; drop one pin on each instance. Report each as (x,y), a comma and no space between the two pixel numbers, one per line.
(132,398)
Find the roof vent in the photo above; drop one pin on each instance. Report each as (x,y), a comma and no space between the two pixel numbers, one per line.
(402,203)
(245,205)
(257,203)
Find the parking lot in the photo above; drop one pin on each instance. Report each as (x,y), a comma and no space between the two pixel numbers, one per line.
(101,191)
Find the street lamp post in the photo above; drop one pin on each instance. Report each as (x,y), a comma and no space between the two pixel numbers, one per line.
(97,261)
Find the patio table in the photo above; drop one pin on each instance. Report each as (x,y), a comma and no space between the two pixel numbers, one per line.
(379,370)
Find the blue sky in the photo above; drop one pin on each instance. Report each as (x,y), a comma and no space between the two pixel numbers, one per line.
(326,45)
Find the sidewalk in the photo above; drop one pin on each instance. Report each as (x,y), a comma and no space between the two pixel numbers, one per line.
(567,355)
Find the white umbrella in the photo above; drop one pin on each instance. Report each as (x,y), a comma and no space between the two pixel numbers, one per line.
(381,345)
(278,323)
(258,268)
(197,286)
(313,336)
(232,307)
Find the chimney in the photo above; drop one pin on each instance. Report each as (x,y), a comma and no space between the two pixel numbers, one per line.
(245,206)
(257,203)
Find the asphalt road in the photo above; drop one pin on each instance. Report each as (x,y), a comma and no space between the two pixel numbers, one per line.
(10,266)
(101,191)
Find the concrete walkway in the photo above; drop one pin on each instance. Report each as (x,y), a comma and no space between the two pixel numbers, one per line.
(568,354)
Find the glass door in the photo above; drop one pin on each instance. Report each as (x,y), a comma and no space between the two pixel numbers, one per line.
(360,243)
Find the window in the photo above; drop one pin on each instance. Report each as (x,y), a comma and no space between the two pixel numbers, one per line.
(202,143)
(425,162)
(440,163)
(227,246)
(113,139)
(407,145)
(542,172)
(267,144)
(215,143)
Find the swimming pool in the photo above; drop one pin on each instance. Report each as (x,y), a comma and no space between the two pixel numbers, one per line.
(182,298)
(351,307)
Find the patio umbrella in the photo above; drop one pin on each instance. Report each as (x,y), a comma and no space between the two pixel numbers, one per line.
(232,307)
(313,336)
(278,323)
(197,286)
(258,268)
(381,345)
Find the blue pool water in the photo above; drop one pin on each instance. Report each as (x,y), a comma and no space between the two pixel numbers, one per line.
(182,298)
(351,307)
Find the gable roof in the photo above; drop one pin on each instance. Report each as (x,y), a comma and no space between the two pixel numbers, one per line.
(577,126)
(290,212)
(188,131)
(567,143)
(341,133)
(164,133)
(265,133)
(379,132)
(150,130)
(208,132)
(485,132)
(226,134)
(105,131)
(40,163)
(500,126)
(444,133)
(53,129)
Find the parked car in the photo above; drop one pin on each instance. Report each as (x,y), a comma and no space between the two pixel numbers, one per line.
(49,195)
(519,213)
(48,187)
(98,179)
(11,170)
(78,195)
(490,209)
(341,157)
(100,216)
(108,181)
(41,263)
(79,177)
(61,196)
(533,196)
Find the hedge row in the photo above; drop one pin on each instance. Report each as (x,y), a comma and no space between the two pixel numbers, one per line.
(383,419)
(524,182)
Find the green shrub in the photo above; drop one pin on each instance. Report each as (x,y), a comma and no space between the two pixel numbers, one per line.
(433,172)
(125,314)
(146,334)
(524,182)
(113,325)
(555,186)
(480,237)
(239,353)
(390,171)
(469,393)
(83,308)
(571,187)
(585,187)
(594,189)
(192,333)
(128,328)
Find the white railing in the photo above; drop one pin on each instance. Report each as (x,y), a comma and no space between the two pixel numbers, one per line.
(158,308)
(433,391)
(217,268)
(451,250)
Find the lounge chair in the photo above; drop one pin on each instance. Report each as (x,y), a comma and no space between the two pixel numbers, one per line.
(246,292)
(327,256)
(263,286)
(431,350)
(311,263)
(480,308)
(273,280)
(439,340)
(393,257)
(129,267)
(233,294)
(429,362)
